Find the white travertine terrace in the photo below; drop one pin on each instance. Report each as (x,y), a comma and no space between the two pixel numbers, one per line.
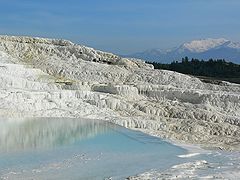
(57,78)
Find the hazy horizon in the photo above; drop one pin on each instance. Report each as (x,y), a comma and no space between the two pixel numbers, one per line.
(122,27)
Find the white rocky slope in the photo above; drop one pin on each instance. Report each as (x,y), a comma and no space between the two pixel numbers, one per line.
(56,78)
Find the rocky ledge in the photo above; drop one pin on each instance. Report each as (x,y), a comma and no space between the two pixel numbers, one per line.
(57,78)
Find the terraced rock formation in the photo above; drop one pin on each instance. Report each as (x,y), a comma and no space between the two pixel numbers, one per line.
(57,78)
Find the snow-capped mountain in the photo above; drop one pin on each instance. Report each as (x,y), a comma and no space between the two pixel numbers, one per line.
(201,49)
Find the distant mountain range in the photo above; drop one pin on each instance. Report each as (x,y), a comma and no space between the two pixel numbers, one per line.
(200,49)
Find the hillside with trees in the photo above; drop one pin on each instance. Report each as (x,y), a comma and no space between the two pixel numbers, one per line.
(214,69)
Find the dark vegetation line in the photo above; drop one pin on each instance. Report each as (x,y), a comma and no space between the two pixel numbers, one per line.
(212,69)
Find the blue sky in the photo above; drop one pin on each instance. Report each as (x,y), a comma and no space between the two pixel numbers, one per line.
(122,26)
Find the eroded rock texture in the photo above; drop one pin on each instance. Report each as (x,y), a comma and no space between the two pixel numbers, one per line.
(57,78)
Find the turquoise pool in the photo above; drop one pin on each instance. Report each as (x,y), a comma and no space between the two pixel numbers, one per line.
(62,148)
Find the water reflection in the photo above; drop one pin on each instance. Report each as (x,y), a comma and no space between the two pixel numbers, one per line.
(25,134)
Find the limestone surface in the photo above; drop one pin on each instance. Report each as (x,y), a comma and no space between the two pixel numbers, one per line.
(57,78)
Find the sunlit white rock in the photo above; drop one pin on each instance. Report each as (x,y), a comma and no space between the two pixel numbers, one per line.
(57,78)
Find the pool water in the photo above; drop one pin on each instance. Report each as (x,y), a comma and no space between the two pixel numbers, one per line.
(62,148)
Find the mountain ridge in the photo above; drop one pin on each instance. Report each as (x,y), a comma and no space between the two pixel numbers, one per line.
(202,49)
